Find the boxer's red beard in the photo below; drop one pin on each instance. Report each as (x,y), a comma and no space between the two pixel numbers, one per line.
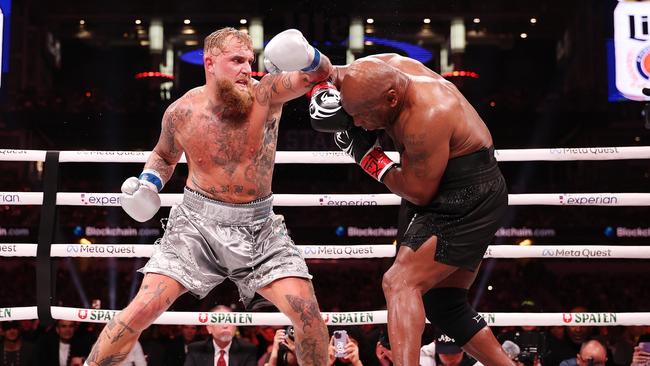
(237,103)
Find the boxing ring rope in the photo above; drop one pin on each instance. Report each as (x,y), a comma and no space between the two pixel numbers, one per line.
(324,251)
(307,200)
(367,251)
(338,157)
(331,318)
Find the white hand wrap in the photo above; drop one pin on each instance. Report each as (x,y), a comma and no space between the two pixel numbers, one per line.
(290,51)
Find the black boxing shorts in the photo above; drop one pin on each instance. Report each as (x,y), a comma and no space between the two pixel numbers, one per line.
(464,214)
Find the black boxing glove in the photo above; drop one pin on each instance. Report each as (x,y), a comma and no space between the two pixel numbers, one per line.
(327,114)
(363,146)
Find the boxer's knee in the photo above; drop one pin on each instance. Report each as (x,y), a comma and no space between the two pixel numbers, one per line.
(389,282)
(449,310)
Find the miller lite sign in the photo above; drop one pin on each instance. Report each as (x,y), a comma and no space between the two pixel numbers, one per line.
(632,48)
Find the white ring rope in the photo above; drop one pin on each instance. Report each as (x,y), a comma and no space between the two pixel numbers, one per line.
(338,157)
(331,318)
(342,251)
(331,200)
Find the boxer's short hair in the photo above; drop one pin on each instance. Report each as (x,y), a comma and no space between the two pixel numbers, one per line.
(217,40)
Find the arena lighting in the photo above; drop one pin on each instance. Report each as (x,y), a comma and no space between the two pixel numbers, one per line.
(186,21)
(370,20)
(477,20)
(413,51)
(526,242)
(82,22)
(76,281)
(533,20)
(153,74)
(243,21)
(426,20)
(460,73)
(138,21)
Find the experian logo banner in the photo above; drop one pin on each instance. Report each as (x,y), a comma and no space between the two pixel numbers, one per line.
(588,200)
(359,201)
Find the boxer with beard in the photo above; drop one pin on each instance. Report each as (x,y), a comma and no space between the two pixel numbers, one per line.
(225,227)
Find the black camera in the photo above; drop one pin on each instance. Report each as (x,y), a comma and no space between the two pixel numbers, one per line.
(532,345)
(290,332)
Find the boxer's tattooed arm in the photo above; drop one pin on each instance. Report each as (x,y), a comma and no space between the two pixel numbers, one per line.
(283,87)
(167,152)
(417,154)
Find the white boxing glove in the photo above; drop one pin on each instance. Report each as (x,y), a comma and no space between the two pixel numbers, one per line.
(290,51)
(140,197)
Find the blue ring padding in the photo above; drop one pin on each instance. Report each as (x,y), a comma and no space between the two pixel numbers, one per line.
(314,64)
(152,178)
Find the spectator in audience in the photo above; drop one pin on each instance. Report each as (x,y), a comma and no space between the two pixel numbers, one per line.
(640,357)
(15,351)
(449,354)
(177,348)
(283,350)
(558,345)
(623,346)
(223,348)
(136,356)
(351,350)
(592,353)
(58,349)
(382,350)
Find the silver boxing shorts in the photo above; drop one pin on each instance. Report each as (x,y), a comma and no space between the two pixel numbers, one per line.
(207,241)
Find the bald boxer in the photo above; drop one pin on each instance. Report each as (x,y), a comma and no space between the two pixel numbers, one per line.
(225,227)
(454,195)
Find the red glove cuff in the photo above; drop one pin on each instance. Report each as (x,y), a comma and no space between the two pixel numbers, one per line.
(377,163)
(322,85)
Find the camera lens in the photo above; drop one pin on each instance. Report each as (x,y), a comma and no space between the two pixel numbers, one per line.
(337,335)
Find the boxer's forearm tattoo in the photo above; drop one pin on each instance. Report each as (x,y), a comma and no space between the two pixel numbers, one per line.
(307,309)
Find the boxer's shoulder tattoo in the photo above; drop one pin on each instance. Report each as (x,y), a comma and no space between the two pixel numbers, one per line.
(176,114)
